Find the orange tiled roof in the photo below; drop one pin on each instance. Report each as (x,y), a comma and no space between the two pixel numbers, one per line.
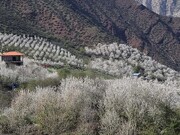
(12,54)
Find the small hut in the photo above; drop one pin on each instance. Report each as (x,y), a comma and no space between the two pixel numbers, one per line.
(12,58)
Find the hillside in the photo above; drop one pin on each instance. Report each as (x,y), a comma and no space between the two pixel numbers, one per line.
(163,7)
(117,60)
(88,67)
(58,93)
(39,49)
(121,60)
(89,22)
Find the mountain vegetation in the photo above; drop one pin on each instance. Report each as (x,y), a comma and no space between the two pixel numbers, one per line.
(90,67)
(86,106)
(122,60)
(39,49)
(29,71)
(63,99)
(113,59)
(76,23)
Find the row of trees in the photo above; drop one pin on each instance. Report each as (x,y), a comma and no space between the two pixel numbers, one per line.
(86,106)
(117,59)
(39,49)
(113,67)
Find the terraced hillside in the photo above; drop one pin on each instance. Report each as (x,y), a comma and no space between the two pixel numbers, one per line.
(39,49)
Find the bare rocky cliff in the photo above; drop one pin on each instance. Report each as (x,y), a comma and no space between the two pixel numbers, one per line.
(163,7)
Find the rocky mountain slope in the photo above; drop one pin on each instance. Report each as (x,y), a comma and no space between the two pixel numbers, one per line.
(163,7)
(88,22)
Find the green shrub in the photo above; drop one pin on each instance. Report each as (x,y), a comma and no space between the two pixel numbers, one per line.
(64,72)
(81,73)
(137,69)
(41,83)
